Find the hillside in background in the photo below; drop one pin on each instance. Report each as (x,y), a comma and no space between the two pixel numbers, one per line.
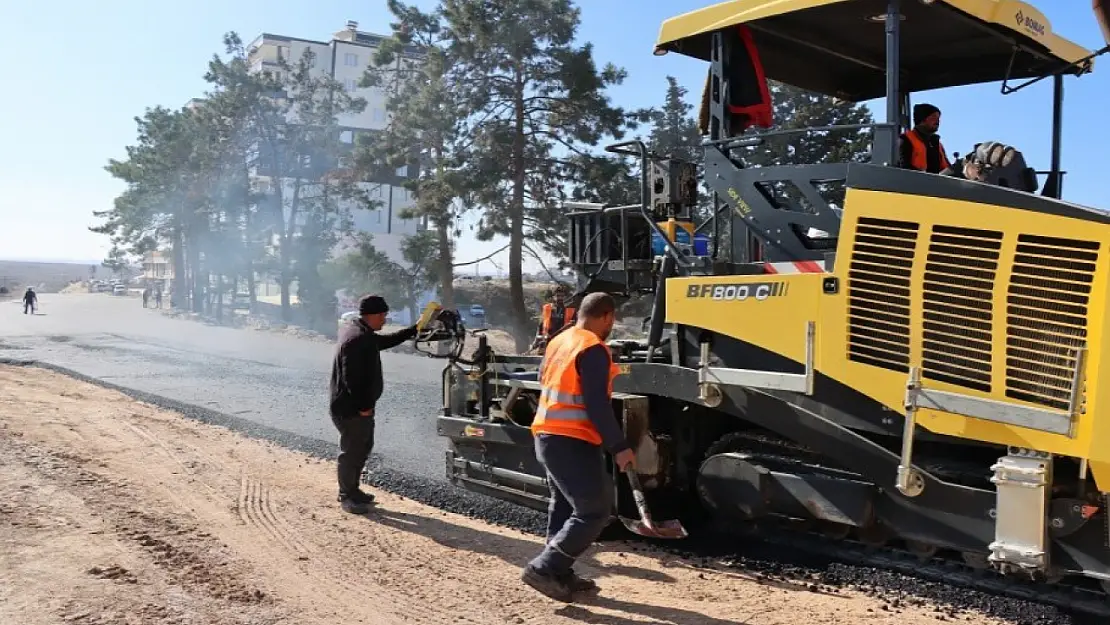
(44,277)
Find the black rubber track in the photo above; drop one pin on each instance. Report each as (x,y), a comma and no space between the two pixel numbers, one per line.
(798,561)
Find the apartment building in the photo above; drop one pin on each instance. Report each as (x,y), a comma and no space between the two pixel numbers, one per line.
(345,57)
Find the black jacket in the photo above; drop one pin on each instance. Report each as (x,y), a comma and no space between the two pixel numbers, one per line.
(356,372)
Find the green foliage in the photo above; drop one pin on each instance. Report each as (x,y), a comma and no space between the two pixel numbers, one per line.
(537,100)
(241,182)
(421,81)
(369,270)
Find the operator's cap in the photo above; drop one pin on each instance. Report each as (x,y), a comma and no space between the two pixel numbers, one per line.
(372,305)
(921,111)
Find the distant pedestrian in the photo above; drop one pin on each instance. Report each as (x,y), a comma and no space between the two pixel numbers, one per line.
(356,385)
(158,298)
(146,296)
(30,301)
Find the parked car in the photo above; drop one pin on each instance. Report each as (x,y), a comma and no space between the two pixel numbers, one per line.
(476,310)
(119,289)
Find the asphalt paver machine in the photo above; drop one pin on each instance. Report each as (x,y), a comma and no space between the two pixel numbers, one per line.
(878,356)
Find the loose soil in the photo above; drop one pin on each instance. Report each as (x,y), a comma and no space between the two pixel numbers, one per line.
(116,512)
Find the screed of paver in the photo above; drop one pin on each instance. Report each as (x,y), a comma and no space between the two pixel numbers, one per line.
(114,511)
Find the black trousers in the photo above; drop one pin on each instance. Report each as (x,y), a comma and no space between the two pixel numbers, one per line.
(356,441)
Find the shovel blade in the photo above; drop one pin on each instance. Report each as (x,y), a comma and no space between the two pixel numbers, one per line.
(657,529)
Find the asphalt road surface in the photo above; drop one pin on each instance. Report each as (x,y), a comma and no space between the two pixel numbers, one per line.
(271,379)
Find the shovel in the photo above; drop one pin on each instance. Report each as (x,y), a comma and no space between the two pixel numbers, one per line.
(645,526)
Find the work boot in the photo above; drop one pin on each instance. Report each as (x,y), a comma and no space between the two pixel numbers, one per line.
(354,507)
(362,497)
(357,502)
(578,583)
(548,585)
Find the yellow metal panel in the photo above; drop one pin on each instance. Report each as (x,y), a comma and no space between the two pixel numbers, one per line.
(888,387)
(732,13)
(1033,23)
(770,311)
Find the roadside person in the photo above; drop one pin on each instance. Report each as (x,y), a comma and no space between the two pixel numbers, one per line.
(573,427)
(158,298)
(356,385)
(553,316)
(30,301)
(146,296)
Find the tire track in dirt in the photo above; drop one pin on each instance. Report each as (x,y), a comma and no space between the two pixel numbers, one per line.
(255,510)
(190,557)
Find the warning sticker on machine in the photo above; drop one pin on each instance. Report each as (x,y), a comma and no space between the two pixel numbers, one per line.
(758,291)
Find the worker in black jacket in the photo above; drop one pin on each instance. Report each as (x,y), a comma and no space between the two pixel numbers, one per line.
(356,386)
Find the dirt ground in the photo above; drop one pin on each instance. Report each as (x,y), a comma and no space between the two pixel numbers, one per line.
(116,512)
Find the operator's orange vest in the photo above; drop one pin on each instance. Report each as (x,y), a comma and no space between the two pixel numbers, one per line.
(548,309)
(562,409)
(918,158)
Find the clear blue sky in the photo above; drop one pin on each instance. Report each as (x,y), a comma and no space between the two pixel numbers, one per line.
(78,72)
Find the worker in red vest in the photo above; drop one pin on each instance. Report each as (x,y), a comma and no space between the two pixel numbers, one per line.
(921,147)
(555,316)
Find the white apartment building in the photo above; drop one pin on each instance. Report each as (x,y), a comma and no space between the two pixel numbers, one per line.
(345,57)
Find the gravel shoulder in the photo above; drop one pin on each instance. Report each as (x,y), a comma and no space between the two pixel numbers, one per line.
(115,511)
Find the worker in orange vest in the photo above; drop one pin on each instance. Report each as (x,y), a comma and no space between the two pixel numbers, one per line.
(921,147)
(573,428)
(555,315)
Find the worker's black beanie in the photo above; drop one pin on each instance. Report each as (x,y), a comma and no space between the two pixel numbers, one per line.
(372,305)
(921,111)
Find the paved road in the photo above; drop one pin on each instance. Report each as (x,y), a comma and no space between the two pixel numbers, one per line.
(275,380)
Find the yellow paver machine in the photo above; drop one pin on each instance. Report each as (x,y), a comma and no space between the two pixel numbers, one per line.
(877,356)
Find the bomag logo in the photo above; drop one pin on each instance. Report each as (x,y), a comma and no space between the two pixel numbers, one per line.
(758,291)
(1030,23)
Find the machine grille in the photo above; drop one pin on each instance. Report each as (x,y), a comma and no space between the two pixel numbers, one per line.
(1046,314)
(879,293)
(957,307)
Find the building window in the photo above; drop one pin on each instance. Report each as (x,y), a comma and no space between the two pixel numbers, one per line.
(349,85)
(283,53)
(403,171)
(350,60)
(347,136)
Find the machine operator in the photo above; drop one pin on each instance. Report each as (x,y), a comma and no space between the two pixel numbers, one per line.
(573,428)
(921,148)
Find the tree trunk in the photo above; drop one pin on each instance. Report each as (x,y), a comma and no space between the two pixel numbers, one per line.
(220,297)
(285,278)
(197,297)
(177,294)
(445,270)
(520,325)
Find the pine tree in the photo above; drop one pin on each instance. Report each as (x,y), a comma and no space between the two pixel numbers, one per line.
(427,114)
(537,100)
(294,127)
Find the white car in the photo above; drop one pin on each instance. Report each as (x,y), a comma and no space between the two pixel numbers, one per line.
(119,289)
(476,310)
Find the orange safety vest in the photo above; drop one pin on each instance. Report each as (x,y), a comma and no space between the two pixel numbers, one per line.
(562,409)
(919,159)
(548,309)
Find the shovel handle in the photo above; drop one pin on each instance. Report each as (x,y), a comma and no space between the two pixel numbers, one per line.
(638,496)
